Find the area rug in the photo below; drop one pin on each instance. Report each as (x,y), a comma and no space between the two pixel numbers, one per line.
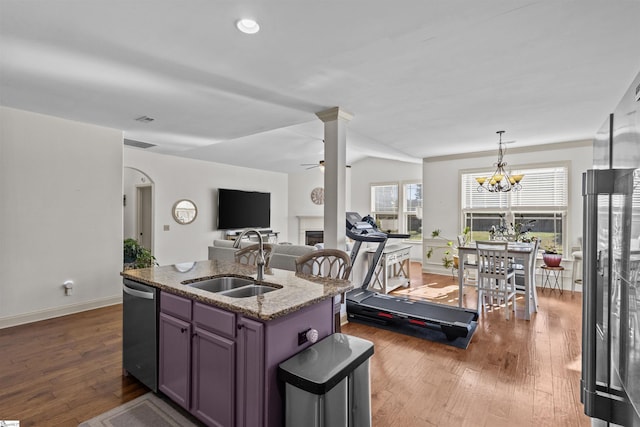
(434,335)
(146,410)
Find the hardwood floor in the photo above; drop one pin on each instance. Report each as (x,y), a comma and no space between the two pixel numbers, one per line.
(514,373)
(63,371)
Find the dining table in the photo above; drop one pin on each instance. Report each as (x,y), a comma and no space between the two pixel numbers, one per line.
(522,253)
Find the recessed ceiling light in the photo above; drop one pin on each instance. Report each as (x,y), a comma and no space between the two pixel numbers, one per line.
(248,26)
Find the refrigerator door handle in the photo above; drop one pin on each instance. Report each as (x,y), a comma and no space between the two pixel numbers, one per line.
(591,262)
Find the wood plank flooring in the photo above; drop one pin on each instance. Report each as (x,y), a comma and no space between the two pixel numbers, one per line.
(63,371)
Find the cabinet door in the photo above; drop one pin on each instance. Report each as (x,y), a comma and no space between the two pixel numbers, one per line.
(214,368)
(251,374)
(175,356)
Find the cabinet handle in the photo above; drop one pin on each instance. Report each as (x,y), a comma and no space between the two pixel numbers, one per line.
(240,326)
(183,330)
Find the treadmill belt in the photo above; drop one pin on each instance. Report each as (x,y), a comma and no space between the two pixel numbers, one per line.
(422,309)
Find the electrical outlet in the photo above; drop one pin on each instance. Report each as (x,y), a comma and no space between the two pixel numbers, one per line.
(68,287)
(302,336)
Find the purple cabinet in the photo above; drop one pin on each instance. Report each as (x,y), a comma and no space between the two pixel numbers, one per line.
(175,357)
(222,366)
(214,382)
(174,348)
(250,373)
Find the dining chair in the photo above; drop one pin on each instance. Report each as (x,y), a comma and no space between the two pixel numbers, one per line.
(330,263)
(517,264)
(468,264)
(496,278)
(249,254)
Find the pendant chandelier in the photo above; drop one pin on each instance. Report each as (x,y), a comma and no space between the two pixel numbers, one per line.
(500,181)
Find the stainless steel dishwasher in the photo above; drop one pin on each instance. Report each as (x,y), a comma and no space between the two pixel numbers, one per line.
(140,332)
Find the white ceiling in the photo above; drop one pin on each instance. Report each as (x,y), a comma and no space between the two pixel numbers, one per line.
(422,78)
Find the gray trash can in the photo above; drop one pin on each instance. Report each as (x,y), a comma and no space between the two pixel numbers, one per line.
(327,384)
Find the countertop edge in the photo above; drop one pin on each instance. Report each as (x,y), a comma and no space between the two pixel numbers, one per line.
(249,307)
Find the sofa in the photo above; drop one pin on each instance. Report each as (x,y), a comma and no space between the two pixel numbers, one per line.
(283,256)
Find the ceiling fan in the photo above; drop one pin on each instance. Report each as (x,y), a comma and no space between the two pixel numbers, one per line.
(320,165)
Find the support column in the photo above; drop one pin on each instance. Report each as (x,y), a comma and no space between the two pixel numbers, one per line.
(335,144)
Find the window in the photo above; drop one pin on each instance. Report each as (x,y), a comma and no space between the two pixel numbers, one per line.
(543,198)
(412,210)
(393,216)
(384,206)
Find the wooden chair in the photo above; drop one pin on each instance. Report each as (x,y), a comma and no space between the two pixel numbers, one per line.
(249,254)
(468,265)
(332,263)
(496,278)
(518,266)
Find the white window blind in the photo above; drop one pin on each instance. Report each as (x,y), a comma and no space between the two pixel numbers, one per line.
(542,188)
(384,198)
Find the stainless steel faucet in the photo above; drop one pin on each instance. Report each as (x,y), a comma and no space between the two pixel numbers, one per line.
(260,259)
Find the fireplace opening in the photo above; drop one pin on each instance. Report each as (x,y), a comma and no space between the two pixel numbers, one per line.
(311,237)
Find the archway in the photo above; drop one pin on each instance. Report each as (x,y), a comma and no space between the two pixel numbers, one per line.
(138,207)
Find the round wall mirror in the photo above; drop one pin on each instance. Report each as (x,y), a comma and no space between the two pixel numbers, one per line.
(184,211)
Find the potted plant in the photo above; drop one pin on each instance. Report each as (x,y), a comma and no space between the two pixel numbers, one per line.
(551,257)
(446,248)
(136,256)
(442,246)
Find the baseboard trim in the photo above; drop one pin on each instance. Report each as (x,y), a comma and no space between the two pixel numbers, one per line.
(431,269)
(36,316)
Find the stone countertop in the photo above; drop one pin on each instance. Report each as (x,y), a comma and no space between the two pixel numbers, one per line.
(296,290)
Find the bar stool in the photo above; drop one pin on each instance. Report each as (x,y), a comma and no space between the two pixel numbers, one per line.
(577,267)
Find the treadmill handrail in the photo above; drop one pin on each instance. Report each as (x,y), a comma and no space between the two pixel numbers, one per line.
(374,238)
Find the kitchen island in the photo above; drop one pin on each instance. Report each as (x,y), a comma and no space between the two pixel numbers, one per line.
(218,355)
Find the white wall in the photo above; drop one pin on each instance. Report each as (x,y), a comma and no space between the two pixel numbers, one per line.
(441,183)
(373,170)
(300,186)
(60,215)
(177,178)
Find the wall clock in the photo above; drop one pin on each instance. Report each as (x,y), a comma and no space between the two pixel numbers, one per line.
(317,195)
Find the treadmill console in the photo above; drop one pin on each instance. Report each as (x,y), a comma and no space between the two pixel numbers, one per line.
(365,229)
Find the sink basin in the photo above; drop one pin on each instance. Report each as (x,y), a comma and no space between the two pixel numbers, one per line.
(220,284)
(248,291)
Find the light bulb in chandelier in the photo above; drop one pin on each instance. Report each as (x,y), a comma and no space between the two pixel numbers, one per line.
(501,180)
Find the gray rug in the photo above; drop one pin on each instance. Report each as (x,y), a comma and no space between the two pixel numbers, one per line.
(146,410)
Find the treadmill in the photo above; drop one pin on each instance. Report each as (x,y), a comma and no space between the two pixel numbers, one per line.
(396,311)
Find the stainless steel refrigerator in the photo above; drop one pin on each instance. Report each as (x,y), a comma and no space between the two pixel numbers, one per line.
(610,384)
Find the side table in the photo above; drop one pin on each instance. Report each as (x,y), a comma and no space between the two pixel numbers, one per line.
(555,273)
(394,269)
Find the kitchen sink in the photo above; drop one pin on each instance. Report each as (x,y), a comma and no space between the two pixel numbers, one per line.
(221,284)
(248,291)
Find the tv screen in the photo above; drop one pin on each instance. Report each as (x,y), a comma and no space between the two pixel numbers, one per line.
(243,209)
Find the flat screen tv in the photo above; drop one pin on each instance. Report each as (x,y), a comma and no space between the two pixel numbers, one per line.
(243,209)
